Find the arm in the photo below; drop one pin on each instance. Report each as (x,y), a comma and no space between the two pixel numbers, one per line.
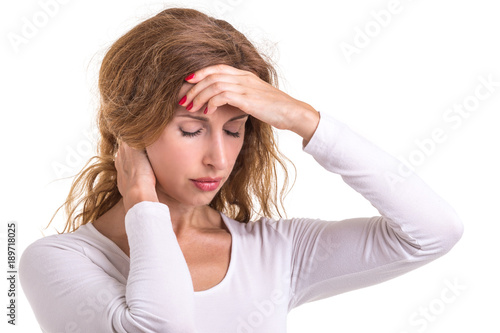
(69,291)
(416,225)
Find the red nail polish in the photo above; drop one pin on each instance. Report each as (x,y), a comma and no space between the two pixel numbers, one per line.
(189,77)
(190,106)
(206,110)
(183,99)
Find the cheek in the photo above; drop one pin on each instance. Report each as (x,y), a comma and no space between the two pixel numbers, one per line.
(169,160)
(235,151)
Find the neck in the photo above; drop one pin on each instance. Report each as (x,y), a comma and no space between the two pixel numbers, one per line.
(185,219)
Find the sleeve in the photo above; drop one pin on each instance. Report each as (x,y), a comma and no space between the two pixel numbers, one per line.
(68,292)
(416,225)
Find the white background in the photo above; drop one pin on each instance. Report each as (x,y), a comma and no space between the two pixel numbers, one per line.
(394,91)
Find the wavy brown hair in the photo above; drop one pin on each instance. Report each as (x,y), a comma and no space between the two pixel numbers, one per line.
(139,80)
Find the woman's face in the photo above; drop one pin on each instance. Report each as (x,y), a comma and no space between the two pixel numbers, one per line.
(193,146)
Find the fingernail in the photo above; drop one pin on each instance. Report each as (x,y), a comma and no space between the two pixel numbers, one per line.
(183,99)
(190,106)
(206,110)
(189,77)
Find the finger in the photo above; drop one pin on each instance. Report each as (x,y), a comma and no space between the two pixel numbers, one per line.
(205,95)
(228,97)
(202,85)
(220,68)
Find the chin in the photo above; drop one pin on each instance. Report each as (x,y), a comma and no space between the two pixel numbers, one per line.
(187,195)
(190,199)
(199,202)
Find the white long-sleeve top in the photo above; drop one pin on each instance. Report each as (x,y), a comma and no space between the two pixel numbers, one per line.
(83,282)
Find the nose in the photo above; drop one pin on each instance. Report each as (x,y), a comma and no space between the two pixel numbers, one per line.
(216,152)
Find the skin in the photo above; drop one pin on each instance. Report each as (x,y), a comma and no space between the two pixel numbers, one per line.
(163,171)
(210,151)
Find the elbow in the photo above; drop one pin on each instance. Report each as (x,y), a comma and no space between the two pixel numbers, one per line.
(456,231)
(459,228)
(451,231)
(440,237)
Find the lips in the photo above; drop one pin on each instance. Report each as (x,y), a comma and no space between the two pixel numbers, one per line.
(207,184)
(208,179)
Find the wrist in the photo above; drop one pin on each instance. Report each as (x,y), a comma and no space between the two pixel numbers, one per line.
(136,195)
(306,122)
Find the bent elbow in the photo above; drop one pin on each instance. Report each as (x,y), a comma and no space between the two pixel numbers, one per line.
(439,237)
(455,232)
(451,231)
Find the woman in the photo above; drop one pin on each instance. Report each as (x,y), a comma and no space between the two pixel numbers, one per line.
(166,240)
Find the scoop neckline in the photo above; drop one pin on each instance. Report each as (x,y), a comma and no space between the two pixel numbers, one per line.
(219,285)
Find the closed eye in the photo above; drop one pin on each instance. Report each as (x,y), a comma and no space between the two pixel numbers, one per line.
(198,132)
(233,134)
(191,134)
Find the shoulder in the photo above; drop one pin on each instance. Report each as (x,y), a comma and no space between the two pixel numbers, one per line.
(57,248)
(49,246)
(42,259)
(64,256)
(54,241)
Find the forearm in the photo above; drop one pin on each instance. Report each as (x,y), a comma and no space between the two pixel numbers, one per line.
(159,283)
(412,208)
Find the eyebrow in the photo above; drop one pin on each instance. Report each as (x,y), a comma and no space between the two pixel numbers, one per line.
(206,119)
